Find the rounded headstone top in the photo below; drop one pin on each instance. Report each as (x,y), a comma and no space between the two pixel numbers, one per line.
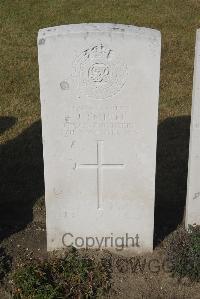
(99,27)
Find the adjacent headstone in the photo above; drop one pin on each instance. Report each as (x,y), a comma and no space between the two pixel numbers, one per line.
(193,186)
(99,89)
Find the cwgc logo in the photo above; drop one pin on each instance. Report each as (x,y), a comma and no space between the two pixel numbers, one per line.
(99,72)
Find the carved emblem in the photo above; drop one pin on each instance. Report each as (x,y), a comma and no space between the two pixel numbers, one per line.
(99,73)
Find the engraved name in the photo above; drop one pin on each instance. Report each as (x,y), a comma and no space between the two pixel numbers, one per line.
(112,120)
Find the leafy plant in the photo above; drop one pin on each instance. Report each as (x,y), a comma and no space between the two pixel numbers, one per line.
(72,276)
(183,251)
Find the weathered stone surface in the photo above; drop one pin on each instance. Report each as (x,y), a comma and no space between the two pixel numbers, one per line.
(193,186)
(99,89)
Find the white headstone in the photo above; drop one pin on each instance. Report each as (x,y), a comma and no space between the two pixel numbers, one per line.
(99,89)
(193,184)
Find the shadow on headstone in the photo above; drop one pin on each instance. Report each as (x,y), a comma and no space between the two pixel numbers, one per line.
(171,175)
(21,178)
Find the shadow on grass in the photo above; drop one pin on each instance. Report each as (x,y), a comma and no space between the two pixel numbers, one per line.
(22,179)
(6,123)
(171,175)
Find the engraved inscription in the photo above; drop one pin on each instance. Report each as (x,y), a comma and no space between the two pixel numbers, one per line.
(107,121)
(196,195)
(57,192)
(99,72)
(99,166)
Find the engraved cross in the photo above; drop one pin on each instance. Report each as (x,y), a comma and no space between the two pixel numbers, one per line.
(99,166)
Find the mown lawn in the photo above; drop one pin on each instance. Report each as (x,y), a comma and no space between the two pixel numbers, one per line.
(20,21)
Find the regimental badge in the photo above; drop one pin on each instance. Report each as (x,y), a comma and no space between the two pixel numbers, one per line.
(98,73)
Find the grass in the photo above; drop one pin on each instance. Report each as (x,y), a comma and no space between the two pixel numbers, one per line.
(20,21)
(21,165)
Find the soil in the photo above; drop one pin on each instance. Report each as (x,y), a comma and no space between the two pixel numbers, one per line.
(149,279)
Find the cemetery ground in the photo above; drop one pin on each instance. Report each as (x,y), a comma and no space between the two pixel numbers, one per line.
(22,210)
